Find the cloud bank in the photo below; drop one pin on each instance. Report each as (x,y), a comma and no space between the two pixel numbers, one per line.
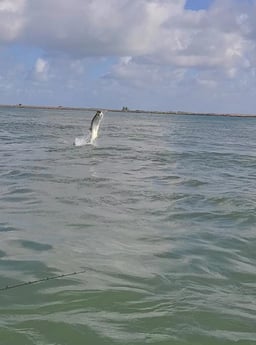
(140,53)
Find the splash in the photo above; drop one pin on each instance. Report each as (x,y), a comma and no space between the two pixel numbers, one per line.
(81,141)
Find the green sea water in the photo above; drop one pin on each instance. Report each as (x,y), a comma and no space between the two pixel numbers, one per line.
(159,214)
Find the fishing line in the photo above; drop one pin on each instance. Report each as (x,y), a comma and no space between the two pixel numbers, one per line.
(31,282)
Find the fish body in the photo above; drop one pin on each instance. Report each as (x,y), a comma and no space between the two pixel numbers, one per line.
(95,124)
(93,131)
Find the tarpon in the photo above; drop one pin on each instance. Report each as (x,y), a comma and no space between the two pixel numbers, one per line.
(93,131)
(95,124)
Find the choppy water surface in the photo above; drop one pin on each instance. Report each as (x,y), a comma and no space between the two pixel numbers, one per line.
(161,213)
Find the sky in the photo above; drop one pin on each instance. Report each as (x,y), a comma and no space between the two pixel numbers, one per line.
(166,55)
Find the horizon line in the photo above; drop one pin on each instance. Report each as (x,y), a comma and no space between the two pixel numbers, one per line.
(125,110)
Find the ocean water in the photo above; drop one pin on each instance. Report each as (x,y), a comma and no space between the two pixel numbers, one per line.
(159,214)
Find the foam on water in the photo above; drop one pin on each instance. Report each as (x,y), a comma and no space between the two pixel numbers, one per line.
(82,141)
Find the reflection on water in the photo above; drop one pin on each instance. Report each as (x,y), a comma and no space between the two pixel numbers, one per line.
(160,215)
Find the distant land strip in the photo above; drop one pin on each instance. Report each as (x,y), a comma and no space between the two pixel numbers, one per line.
(124,110)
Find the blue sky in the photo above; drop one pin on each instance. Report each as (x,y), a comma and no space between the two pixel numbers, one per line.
(194,55)
(198,4)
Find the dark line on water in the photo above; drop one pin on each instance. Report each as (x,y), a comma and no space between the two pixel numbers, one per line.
(140,111)
(31,282)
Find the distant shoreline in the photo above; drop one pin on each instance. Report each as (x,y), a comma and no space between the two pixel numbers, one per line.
(21,106)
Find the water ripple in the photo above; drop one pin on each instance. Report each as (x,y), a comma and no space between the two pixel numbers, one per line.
(160,213)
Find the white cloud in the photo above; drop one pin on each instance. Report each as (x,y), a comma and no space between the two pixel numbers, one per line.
(12,19)
(98,27)
(41,70)
(163,31)
(156,43)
